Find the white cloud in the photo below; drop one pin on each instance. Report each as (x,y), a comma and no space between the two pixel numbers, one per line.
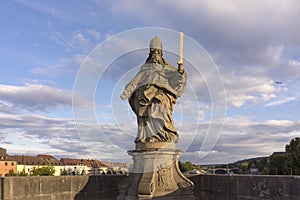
(36,133)
(33,97)
(242,138)
(280,102)
(6,107)
(79,41)
(96,34)
(252,42)
(234,20)
(242,88)
(280,123)
(240,36)
(65,65)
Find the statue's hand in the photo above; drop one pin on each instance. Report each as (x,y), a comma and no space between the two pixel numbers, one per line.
(180,68)
(125,95)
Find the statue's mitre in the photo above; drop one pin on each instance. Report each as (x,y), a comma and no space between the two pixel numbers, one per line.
(155,43)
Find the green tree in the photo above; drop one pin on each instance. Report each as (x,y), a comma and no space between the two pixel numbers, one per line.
(277,164)
(245,167)
(23,173)
(64,172)
(262,166)
(293,155)
(43,171)
(11,173)
(265,171)
(252,164)
(186,166)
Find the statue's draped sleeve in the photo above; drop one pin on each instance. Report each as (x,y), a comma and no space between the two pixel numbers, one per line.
(163,76)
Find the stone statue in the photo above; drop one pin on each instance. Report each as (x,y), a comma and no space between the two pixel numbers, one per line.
(152,94)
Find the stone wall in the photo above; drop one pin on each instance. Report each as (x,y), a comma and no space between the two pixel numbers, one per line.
(59,187)
(246,187)
(207,187)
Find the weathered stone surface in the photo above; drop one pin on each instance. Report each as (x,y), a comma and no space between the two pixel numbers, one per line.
(246,187)
(100,187)
(155,146)
(155,174)
(152,94)
(59,188)
(207,187)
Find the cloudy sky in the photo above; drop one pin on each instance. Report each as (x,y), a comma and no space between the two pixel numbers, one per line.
(65,63)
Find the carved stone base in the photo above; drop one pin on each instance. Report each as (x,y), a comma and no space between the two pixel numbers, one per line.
(155,174)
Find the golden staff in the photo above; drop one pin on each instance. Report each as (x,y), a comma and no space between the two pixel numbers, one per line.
(180,48)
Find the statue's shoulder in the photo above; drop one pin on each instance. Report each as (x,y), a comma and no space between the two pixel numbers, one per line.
(149,66)
(170,67)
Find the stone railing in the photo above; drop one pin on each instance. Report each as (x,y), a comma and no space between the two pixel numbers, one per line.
(242,187)
(207,187)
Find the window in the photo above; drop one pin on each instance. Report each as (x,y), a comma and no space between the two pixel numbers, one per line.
(5,163)
(12,164)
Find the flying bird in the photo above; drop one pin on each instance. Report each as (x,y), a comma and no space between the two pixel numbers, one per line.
(278,82)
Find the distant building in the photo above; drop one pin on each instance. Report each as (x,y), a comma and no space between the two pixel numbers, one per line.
(28,163)
(118,167)
(3,154)
(70,166)
(6,164)
(83,166)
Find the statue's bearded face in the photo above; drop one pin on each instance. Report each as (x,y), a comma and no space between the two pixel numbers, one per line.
(155,56)
(155,51)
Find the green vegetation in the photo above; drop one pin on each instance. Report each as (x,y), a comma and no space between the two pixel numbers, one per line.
(245,167)
(43,171)
(279,163)
(293,155)
(11,173)
(186,166)
(23,173)
(64,173)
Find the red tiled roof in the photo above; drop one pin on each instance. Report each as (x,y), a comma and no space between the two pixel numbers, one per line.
(3,153)
(35,160)
(86,162)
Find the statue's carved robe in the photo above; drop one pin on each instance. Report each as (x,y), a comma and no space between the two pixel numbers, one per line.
(153,92)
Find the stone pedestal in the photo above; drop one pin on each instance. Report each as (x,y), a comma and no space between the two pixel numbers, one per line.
(155,174)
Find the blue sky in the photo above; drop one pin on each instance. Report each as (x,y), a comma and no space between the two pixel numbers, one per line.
(45,44)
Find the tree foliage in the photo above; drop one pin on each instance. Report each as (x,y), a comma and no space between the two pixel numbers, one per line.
(11,173)
(186,166)
(43,171)
(23,173)
(293,155)
(64,173)
(277,164)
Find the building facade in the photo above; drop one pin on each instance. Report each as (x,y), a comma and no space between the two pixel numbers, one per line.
(26,164)
(6,165)
(84,166)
